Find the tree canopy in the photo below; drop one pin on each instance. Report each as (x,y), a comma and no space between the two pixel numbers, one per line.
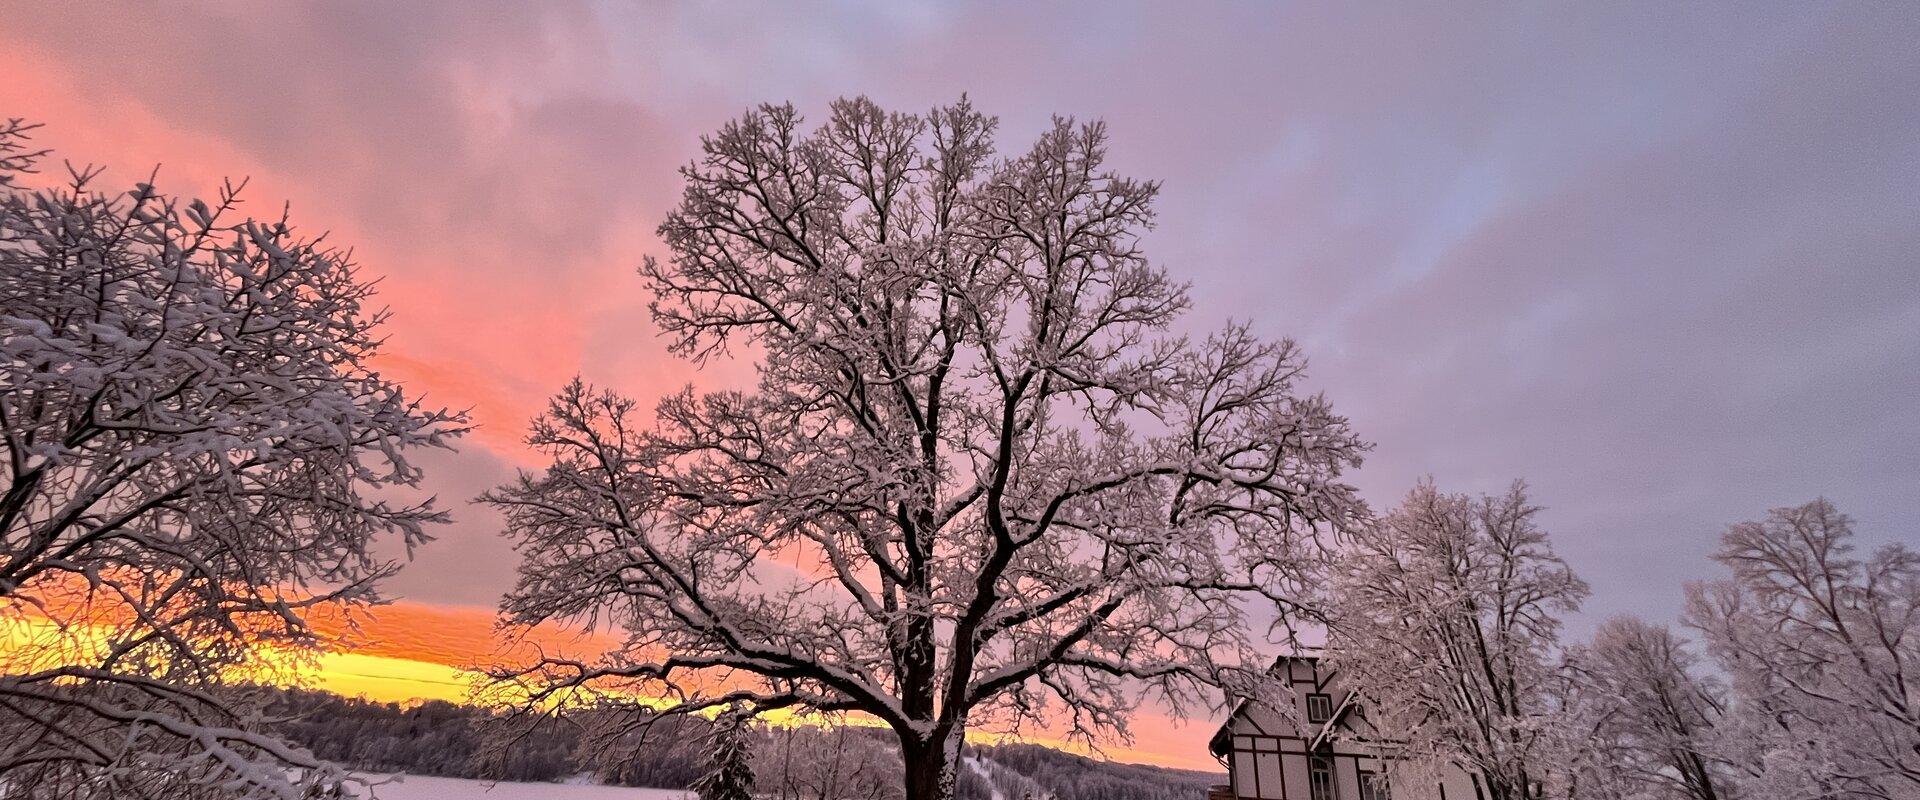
(980,480)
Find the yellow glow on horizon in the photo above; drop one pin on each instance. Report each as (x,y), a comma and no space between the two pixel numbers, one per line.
(384,679)
(405,664)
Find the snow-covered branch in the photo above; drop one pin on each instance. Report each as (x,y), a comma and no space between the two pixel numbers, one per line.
(977,478)
(197,451)
(1819,646)
(1447,623)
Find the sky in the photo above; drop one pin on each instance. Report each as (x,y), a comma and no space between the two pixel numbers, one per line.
(1657,260)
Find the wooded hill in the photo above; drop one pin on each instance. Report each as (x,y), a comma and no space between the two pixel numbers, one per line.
(445,739)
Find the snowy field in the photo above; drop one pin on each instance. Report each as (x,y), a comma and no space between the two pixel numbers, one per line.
(422,787)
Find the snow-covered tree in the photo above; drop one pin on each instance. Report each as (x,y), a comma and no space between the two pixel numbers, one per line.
(977,482)
(828,762)
(197,451)
(1820,647)
(1446,623)
(729,774)
(17,156)
(1651,716)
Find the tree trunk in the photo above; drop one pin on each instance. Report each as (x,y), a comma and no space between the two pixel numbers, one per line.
(931,766)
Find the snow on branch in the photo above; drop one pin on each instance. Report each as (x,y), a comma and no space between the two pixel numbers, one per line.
(197,450)
(980,475)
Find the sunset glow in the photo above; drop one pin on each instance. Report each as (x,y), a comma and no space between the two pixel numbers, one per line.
(1595,251)
(408,653)
(416,652)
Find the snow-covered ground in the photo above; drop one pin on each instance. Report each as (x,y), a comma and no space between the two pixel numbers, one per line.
(422,787)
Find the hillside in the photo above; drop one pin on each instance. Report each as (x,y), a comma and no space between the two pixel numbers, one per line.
(1015,770)
(447,740)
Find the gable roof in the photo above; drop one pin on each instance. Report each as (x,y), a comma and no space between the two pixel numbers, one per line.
(1221,742)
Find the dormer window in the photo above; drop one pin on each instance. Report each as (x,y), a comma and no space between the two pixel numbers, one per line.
(1319,708)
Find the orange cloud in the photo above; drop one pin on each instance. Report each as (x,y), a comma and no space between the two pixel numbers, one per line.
(451,635)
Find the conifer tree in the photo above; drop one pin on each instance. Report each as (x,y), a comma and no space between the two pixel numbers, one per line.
(730,758)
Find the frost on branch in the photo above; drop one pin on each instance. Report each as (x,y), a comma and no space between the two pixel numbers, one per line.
(729,774)
(1819,645)
(197,451)
(1647,721)
(1448,623)
(16,156)
(978,482)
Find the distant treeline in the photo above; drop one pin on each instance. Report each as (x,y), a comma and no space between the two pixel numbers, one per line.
(445,739)
(441,738)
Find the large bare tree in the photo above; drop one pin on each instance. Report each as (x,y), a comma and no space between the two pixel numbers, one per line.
(1820,646)
(195,451)
(1446,623)
(1652,716)
(978,480)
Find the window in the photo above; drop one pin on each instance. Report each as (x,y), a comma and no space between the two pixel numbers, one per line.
(1319,708)
(1320,779)
(1373,786)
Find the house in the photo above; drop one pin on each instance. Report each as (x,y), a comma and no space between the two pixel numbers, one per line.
(1327,751)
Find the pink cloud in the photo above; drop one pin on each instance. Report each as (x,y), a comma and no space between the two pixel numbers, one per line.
(1658,260)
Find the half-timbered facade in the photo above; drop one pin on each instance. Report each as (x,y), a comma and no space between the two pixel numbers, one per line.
(1325,751)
